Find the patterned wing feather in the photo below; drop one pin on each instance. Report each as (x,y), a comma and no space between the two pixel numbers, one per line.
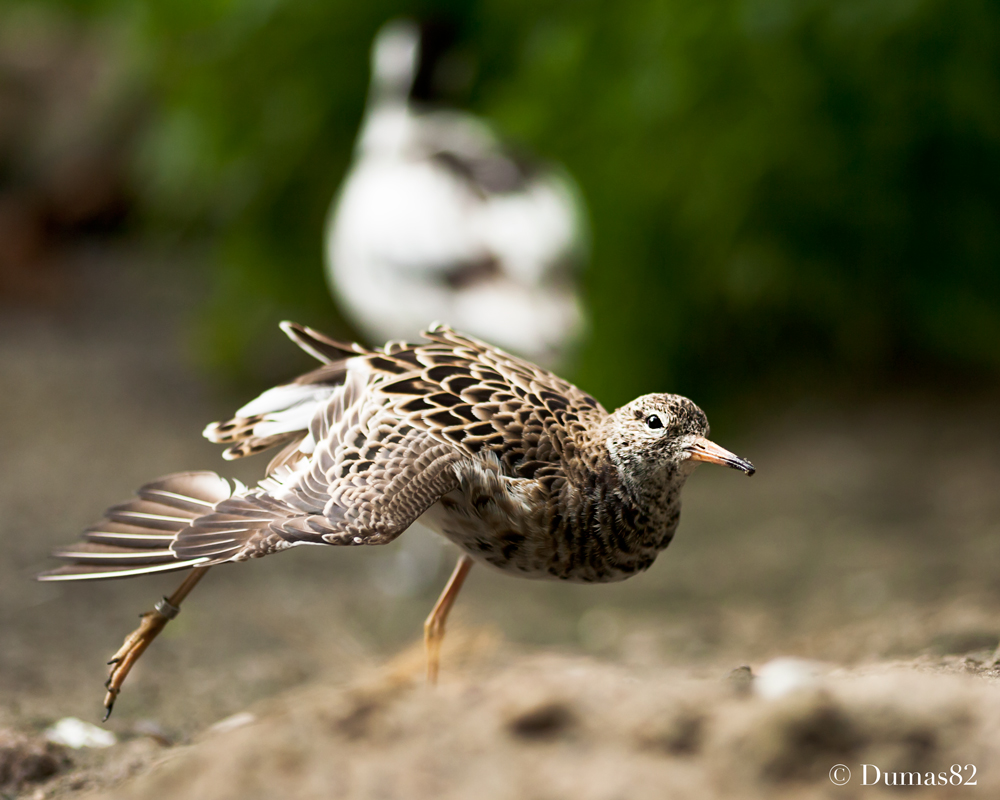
(138,537)
(368,478)
(483,400)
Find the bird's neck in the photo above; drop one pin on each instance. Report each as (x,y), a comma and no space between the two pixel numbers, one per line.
(656,501)
(648,494)
(387,129)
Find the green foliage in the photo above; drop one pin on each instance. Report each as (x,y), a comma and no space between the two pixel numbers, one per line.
(774,186)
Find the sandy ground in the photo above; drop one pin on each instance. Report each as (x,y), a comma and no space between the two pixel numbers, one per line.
(868,541)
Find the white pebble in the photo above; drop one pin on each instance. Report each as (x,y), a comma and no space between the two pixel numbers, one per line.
(233,722)
(782,676)
(76,733)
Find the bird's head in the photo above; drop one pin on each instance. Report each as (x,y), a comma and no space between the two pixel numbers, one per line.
(395,56)
(662,437)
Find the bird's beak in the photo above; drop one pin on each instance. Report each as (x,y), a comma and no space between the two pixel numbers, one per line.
(701,449)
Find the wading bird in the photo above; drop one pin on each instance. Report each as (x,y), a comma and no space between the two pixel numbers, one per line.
(520,469)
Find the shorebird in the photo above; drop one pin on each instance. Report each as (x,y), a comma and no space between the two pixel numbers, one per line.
(519,468)
(437,219)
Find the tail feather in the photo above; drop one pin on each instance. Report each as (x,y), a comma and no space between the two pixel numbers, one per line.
(258,444)
(232,430)
(281,416)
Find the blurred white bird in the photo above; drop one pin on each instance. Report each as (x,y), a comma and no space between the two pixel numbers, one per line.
(436,220)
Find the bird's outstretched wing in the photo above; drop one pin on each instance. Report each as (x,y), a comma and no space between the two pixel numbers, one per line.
(374,438)
(369,477)
(366,478)
(136,538)
(458,389)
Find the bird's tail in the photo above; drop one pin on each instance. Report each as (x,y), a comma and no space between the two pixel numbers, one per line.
(138,537)
(282,415)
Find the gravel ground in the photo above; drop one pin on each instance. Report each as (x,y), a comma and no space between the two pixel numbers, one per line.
(868,540)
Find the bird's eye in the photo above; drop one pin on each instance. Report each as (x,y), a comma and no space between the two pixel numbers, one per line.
(653,422)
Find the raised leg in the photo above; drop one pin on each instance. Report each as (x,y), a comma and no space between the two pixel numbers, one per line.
(434,625)
(136,642)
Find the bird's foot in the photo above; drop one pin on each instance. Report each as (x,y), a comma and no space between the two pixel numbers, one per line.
(134,646)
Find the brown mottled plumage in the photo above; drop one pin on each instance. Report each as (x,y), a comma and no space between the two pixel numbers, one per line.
(519,468)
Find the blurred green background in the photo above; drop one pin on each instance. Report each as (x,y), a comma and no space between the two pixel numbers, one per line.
(783,195)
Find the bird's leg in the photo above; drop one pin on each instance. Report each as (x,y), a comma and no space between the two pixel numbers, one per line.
(434,625)
(136,642)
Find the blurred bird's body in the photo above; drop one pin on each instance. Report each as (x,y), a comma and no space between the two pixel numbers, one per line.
(520,469)
(436,220)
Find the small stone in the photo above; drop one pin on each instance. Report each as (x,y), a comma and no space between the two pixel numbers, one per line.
(545,721)
(233,722)
(741,680)
(76,733)
(782,676)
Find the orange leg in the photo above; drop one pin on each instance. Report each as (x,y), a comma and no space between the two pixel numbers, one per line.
(136,642)
(434,625)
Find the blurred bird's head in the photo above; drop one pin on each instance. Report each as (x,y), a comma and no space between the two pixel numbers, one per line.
(395,56)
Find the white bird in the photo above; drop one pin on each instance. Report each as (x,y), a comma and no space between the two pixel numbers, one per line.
(436,220)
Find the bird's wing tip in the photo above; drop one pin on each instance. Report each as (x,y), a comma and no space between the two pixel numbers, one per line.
(437,326)
(81,572)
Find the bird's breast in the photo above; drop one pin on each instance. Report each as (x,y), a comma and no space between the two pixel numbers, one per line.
(544,539)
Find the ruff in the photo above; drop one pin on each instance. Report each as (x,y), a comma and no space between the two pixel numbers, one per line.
(523,471)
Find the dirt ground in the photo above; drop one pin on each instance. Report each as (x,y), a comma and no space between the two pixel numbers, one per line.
(869,541)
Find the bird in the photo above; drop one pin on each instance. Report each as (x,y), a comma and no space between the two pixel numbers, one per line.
(521,470)
(438,219)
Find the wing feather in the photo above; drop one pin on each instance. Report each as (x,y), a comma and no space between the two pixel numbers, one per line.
(138,537)
(371,440)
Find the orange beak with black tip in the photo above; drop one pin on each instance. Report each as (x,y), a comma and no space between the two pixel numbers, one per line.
(702,449)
